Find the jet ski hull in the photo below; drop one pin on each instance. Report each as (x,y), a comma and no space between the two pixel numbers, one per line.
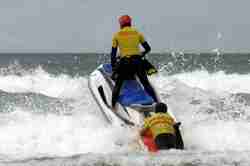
(101,86)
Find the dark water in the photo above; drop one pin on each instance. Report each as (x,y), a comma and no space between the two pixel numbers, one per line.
(82,64)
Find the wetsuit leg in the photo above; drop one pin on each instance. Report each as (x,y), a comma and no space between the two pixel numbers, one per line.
(141,73)
(122,69)
(179,140)
(165,141)
(116,90)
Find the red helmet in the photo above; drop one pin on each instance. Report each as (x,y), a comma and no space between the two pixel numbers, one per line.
(125,20)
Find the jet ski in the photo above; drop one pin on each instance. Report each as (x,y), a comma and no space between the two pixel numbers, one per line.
(133,105)
(132,102)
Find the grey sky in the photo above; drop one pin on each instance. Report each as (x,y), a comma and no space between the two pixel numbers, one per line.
(87,25)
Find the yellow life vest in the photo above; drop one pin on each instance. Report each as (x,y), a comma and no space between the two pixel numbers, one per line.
(160,123)
(128,40)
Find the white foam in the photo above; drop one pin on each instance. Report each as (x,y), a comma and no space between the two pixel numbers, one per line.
(62,86)
(25,134)
(217,82)
(218,136)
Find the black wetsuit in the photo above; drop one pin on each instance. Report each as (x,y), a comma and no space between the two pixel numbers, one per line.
(126,69)
(165,141)
(170,141)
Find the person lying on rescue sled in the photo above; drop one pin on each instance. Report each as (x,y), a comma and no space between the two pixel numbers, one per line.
(164,129)
(128,40)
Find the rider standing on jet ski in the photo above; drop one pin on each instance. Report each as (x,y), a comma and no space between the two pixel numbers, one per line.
(128,40)
(164,129)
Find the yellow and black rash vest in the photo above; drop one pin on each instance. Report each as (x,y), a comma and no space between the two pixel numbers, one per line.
(128,40)
(160,123)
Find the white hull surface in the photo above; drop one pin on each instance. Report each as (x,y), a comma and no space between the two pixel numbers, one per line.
(133,103)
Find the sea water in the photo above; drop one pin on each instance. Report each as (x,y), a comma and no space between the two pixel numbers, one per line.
(48,116)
